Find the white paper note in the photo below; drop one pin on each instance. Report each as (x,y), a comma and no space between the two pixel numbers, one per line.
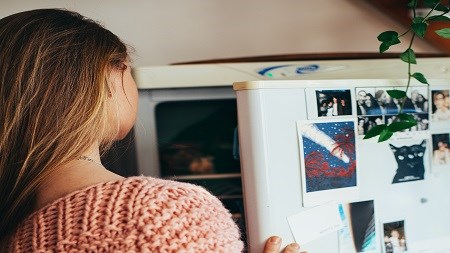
(315,222)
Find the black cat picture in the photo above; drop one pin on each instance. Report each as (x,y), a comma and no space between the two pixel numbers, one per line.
(410,162)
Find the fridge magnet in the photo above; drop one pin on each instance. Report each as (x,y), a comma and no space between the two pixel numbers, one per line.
(333,103)
(441,152)
(394,237)
(328,154)
(409,161)
(440,109)
(358,233)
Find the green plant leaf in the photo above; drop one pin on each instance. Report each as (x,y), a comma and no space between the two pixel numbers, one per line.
(441,7)
(431,3)
(374,131)
(444,33)
(436,5)
(417,20)
(419,27)
(408,56)
(439,18)
(401,125)
(407,117)
(385,135)
(396,93)
(420,77)
(388,36)
(412,4)
(384,47)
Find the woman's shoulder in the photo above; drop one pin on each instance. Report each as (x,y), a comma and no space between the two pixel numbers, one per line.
(154,189)
(137,213)
(132,191)
(185,215)
(175,216)
(143,189)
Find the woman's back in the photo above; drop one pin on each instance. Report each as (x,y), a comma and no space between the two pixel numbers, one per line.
(137,214)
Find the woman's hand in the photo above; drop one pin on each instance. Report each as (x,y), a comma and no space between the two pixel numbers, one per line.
(273,245)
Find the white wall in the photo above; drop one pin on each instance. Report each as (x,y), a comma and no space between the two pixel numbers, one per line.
(168,31)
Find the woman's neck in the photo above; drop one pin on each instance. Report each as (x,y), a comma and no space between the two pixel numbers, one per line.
(75,175)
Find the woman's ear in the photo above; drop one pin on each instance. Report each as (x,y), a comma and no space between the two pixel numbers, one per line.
(114,82)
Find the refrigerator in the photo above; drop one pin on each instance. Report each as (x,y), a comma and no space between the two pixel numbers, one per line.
(310,176)
(188,127)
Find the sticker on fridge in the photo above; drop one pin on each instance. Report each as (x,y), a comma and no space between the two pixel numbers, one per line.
(410,164)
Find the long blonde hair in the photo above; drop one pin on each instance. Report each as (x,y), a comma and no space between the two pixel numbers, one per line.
(54,66)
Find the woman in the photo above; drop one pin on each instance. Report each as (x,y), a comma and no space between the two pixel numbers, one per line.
(441,154)
(372,106)
(440,107)
(66,93)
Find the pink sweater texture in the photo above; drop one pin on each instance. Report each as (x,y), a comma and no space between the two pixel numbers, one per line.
(137,214)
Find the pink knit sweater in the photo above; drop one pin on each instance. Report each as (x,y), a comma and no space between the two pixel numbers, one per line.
(138,214)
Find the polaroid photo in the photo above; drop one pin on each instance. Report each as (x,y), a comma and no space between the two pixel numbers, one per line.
(410,160)
(440,158)
(359,231)
(328,155)
(440,108)
(394,239)
(329,103)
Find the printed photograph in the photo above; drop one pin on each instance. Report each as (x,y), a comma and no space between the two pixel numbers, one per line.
(421,118)
(440,109)
(329,155)
(423,122)
(358,233)
(365,123)
(333,103)
(385,103)
(376,101)
(409,162)
(441,151)
(365,102)
(417,101)
(394,237)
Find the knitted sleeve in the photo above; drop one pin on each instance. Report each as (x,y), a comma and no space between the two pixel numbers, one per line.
(176,217)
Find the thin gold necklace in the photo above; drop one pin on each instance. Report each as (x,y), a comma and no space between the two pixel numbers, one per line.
(87,158)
